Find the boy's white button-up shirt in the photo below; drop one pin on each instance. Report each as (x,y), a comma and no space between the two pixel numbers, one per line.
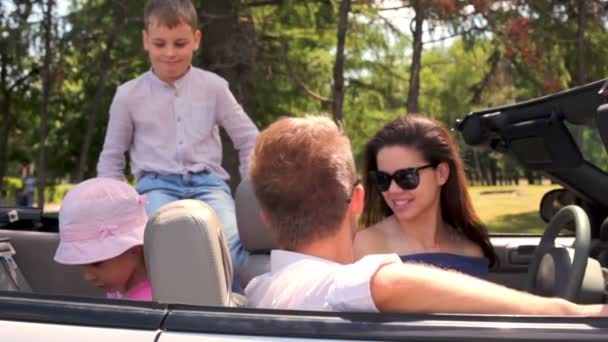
(302,282)
(174,129)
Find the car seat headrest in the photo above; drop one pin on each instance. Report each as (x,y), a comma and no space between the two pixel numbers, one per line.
(187,259)
(255,235)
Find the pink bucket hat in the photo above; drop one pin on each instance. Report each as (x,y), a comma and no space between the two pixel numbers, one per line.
(99,219)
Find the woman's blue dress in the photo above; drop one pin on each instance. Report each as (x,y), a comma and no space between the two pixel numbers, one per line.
(475,266)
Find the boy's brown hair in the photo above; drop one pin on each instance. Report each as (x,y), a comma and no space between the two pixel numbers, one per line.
(170,13)
(303,175)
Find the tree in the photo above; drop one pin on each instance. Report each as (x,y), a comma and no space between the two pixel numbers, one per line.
(99,47)
(552,46)
(416,29)
(338,89)
(117,24)
(452,15)
(44,103)
(16,69)
(229,49)
(291,57)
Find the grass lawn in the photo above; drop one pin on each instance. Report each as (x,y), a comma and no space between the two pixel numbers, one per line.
(515,212)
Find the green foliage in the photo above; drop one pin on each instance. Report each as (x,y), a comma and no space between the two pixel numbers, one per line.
(448,79)
(12,186)
(55,194)
(85,45)
(500,55)
(591,146)
(294,55)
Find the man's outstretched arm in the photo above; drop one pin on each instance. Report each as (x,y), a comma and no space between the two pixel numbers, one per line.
(403,287)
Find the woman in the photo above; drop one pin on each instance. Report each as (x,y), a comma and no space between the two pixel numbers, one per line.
(417,204)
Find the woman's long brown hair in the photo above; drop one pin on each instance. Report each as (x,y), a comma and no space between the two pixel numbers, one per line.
(433,140)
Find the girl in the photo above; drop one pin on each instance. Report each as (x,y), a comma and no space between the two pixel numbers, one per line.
(416,203)
(101,228)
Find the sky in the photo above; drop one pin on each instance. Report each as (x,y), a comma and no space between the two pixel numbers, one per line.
(62,6)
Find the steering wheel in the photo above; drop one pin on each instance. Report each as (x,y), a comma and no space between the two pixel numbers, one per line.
(559,271)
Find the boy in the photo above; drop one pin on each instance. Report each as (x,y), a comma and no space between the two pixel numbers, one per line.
(167,119)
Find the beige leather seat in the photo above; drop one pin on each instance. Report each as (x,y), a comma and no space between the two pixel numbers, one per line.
(34,255)
(11,278)
(254,234)
(187,258)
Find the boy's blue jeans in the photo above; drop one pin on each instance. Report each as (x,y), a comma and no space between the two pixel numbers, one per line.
(204,186)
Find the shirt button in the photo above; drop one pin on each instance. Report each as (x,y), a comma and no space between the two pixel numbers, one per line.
(179,118)
(181,142)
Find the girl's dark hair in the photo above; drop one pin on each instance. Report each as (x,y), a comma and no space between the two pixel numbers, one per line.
(433,140)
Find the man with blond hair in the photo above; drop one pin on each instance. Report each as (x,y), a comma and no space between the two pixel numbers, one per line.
(305,180)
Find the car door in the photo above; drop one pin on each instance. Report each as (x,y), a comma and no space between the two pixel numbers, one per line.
(26,331)
(514,254)
(191,324)
(32,317)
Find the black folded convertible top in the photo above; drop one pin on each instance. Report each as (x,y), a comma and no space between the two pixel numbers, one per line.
(578,105)
(537,133)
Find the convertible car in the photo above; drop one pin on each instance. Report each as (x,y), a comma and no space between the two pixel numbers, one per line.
(191,273)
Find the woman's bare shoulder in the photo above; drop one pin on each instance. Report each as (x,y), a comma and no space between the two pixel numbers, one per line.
(470,248)
(370,240)
(463,246)
(376,231)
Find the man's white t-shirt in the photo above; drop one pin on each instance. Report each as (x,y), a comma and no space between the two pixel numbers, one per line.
(303,282)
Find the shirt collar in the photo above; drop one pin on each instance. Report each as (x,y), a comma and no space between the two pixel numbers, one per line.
(281,258)
(178,83)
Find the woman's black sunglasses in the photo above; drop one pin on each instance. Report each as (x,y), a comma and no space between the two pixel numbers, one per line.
(407,179)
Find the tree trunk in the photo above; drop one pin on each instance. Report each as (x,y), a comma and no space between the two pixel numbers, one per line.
(493,171)
(414,86)
(228,48)
(91,113)
(483,178)
(4,130)
(44,104)
(530,177)
(580,41)
(338,91)
(6,107)
(506,172)
(581,77)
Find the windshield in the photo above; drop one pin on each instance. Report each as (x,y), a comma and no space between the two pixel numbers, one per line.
(588,139)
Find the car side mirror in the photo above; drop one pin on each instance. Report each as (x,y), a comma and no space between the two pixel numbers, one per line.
(553,201)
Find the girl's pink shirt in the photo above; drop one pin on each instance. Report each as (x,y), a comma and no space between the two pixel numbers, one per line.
(141,291)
